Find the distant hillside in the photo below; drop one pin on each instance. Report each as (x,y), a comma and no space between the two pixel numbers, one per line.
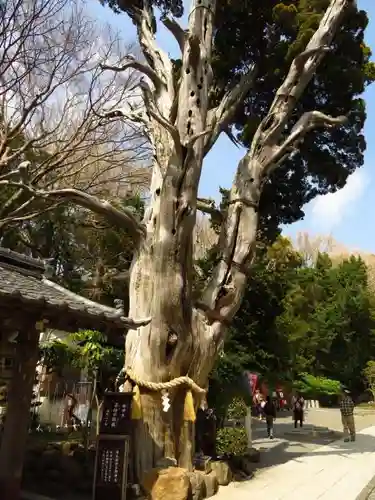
(308,245)
(311,245)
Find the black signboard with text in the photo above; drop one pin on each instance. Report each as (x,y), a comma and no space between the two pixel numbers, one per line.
(116,413)
(111,467)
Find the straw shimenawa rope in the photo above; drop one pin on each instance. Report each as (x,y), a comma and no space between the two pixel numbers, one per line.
(160,386)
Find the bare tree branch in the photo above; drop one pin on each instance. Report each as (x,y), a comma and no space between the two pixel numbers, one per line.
(124,217)
(29,215)
(132,63)
(223,294)
(176,30)
(301,71)
(157,59)
(309,121)
(134,324)
(220,117)
(208,207)
(156,114)
(136,117)
(21,172)
(51,88)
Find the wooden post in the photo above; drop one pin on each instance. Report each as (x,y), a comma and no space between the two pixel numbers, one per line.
(14,439)
(248,428)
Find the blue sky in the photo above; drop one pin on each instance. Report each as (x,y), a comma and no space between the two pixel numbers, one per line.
(348,214)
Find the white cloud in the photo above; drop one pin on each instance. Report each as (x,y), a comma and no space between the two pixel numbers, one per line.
(329,210)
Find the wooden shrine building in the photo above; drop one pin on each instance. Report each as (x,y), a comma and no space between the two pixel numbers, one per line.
(30,302)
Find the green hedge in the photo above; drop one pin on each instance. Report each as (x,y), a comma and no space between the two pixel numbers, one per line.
(231,441)
(317,387)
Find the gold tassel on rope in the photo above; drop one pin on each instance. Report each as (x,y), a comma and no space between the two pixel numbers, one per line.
(136,413)
(189,412)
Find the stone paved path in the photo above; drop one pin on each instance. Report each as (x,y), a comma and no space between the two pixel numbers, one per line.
(368,493)
(288,446)
(312,467)
(335,471)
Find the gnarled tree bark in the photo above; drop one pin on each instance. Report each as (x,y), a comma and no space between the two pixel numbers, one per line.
(184,338)
(161,278)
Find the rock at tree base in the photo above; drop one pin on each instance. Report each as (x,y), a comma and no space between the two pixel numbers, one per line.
(211,482)
(198,486)
(223,472)
(167,484)
(165,462)
(203,463)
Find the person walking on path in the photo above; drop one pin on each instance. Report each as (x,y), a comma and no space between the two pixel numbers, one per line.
(298,404)
(258,398)
(269,411)
(347,416)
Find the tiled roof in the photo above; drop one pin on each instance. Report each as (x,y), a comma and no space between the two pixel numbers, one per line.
(23,278)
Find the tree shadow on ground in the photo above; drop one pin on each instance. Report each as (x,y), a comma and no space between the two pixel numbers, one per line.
(288,446)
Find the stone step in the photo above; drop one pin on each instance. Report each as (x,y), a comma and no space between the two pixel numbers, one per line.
(310,427)
(309,430)
(270,444)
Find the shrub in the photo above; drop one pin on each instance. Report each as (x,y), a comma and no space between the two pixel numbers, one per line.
(316,387)
(369,373)
(231,441)
(237,409)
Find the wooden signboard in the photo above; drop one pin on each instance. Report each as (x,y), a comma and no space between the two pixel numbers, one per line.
(111,467)
(116,414)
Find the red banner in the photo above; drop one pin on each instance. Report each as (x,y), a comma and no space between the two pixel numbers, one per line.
(251,382)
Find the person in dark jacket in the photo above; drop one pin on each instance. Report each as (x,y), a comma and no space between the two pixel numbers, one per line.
(269,411)
(298,410)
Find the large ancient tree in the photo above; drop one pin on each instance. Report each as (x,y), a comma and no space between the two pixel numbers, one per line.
(180,334)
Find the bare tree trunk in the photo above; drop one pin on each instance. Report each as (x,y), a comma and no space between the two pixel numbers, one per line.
(159,351)
(161,276)
(185,338)
(176,337)
(17,420)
